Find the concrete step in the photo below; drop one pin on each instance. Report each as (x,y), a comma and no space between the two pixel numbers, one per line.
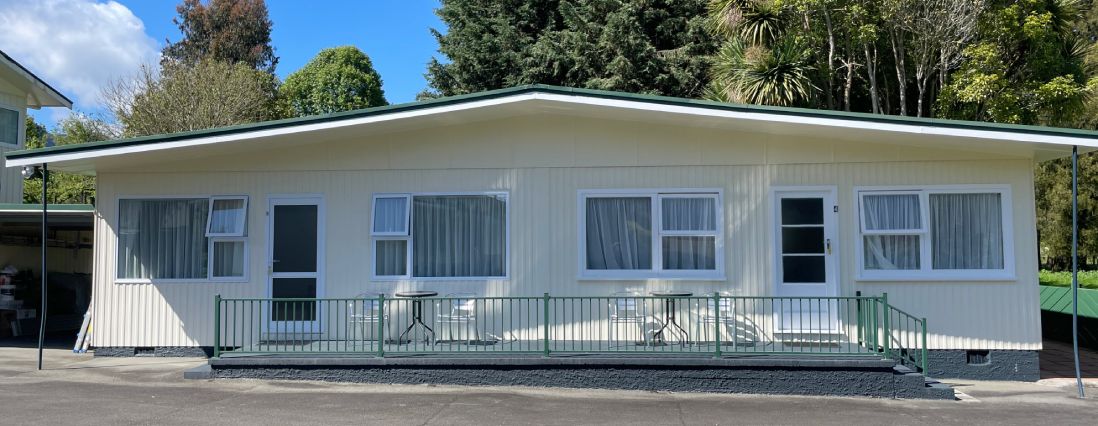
(910,384)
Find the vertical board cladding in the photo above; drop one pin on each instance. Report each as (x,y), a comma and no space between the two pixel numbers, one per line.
(543,174)
(11,182)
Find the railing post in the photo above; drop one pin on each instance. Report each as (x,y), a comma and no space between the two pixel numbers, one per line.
(886,327)
(925,351)
(861,317)
(717,324)
(381,325)
(217,326)
(545,322)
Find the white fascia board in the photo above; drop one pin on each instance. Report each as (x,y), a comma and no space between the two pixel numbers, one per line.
(823,121)
(304,128)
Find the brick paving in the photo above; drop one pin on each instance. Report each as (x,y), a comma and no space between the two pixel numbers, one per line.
(1057,361)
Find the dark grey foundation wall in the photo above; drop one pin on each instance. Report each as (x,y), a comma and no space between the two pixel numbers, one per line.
(984,365)
(158,351)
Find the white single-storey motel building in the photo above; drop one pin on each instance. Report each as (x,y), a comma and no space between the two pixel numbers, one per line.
(547,220)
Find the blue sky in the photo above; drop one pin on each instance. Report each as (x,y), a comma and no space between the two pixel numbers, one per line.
(395,34)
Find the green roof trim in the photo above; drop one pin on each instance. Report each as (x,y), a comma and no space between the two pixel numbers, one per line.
(1058,299)
(538,88)
(16,207)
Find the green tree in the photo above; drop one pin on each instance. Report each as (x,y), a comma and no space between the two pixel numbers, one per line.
(645,46)
(229,31)
(66,188)
(337,79)
(192,97)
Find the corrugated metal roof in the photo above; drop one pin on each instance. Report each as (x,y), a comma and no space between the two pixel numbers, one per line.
(519,90)
(1058,299)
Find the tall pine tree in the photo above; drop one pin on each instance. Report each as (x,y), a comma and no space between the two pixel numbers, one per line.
(657,47)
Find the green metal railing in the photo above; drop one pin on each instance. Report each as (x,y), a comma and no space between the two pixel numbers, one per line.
(712,325)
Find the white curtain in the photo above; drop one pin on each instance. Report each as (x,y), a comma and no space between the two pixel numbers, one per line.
(228,259)
(459,236)
(390,215)
(162,238)
(966,231)
(619,233)
(689,214)
(891,212)
(391,257)
(227,217)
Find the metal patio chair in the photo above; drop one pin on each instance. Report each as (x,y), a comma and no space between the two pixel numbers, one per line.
(626,308)
(461,309)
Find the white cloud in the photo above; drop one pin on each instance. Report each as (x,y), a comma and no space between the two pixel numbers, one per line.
(77,46)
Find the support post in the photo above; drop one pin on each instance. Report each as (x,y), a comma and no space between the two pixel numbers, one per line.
(926,352)
(45,228)
(217,326)
(381,325)
(717,324)
(545,311)
(1075,267)
(885,326)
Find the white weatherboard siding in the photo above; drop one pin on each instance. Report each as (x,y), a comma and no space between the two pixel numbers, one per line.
(542,162)
(11,182)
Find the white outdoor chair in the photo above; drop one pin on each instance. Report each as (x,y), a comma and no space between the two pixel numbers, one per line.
(627,309)
(363,316)
(723,312)
(459,308)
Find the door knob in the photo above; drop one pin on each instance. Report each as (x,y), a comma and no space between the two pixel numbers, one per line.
(828,243)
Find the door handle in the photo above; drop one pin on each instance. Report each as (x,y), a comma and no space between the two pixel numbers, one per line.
(828,244)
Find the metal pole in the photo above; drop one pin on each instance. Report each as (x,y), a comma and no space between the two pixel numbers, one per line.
(1075,266)
(45,217)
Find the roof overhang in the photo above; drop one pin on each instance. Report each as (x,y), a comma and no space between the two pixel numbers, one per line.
(39,93)
(1038,143)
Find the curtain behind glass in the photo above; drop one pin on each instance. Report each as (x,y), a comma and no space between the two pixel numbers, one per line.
(162,239)
(390,215)
(966,231)
(227,217)
(390,257)
(459,236)
(619,233)
(689,214)
(228,259)
(891,212)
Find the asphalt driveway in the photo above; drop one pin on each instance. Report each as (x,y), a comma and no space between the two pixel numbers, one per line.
(79,389)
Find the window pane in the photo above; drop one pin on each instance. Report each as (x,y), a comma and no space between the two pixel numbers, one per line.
(891,252)
(228,217)
(228,259)
(619,233)
(966,231)
(803,269)
(803,240)
(295,238)
(162,239)
(391,257)
(884,212)
(690,253)
(293,288)
(9,126)
(802,211)
(391,215)
(689,214)
(459,236)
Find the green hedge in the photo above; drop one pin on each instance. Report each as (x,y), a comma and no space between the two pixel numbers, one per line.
(1087,279)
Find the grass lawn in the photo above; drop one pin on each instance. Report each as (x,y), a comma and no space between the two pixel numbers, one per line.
(1087,279)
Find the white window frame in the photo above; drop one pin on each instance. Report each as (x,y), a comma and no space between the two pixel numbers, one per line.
(408,237)
(657,271)
(926,271)
(209,217)
(209,242)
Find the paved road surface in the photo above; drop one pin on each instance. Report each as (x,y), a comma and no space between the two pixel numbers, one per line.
(77,389)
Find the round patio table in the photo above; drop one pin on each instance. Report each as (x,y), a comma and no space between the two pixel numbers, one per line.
(669,314)
(417,312)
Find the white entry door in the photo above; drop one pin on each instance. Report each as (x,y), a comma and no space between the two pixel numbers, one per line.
(806,258)
(295,256)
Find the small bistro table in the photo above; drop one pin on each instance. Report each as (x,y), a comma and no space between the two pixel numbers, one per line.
(669,314)
(417,313)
